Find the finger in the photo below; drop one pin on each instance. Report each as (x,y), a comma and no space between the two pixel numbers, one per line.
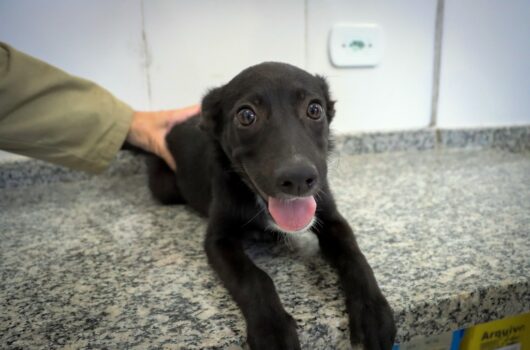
(191,110)
(180,115)
(166,155)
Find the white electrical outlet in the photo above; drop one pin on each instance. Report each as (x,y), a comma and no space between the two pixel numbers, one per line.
(356,45)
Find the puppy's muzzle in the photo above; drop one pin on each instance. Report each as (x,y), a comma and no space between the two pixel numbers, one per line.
(296,179)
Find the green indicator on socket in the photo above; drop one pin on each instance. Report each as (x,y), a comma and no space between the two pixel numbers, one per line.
(357,45)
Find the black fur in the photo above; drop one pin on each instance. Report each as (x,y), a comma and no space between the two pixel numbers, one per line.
(227,171)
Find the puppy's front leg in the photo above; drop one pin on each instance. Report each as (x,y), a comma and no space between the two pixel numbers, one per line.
(370,317)
(269,326)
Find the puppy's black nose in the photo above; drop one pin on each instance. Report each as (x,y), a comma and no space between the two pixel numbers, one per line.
(296,180)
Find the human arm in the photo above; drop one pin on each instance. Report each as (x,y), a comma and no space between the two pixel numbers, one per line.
(48,114)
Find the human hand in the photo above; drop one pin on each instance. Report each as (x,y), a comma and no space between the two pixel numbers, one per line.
(148,130)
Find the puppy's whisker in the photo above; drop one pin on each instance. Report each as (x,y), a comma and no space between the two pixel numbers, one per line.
(287,241)
(255,216)
(334,161)
(320,194)
(317,225)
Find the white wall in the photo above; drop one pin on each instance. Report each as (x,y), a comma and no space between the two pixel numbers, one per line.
(167,53)
(397,93)
(485,71)
(196,45)
(99,40)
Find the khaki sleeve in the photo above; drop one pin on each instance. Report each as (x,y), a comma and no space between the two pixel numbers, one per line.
(48,114)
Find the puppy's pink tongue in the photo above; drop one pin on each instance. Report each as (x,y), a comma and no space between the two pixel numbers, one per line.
(293,214)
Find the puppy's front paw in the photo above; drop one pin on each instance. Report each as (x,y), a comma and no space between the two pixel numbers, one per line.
(372,324)
(277,332)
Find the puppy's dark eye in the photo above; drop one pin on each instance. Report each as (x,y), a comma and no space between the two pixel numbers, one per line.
(314,110)
(246,116)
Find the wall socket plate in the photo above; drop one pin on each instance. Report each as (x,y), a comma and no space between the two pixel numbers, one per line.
(356,45)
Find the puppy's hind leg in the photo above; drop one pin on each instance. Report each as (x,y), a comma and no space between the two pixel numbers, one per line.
(163,182)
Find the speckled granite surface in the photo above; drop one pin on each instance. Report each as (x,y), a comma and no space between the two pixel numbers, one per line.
(96,263)
(28,172)
(513,139)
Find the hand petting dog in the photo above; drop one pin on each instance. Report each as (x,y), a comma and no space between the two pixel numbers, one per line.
(148,130)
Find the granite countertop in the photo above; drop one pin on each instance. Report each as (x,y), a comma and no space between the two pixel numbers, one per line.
(95,262)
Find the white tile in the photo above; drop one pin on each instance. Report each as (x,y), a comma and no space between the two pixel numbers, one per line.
(397,93)
(485,77)
(98,40)
(197,45)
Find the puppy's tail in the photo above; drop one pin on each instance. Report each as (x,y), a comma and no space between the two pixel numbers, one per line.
(163,181)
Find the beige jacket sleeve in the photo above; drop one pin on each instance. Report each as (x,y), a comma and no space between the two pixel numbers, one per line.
(48,114)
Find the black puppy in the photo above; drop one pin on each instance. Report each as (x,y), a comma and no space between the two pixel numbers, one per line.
(264,144)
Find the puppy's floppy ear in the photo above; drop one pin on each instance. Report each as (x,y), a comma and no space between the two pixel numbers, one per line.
(330,104)
(211,112)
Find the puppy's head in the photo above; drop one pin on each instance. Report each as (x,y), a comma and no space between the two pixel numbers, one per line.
(272,122)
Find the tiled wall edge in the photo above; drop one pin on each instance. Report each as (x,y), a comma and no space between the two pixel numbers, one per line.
(513,139)
(379,142)
(15,173)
